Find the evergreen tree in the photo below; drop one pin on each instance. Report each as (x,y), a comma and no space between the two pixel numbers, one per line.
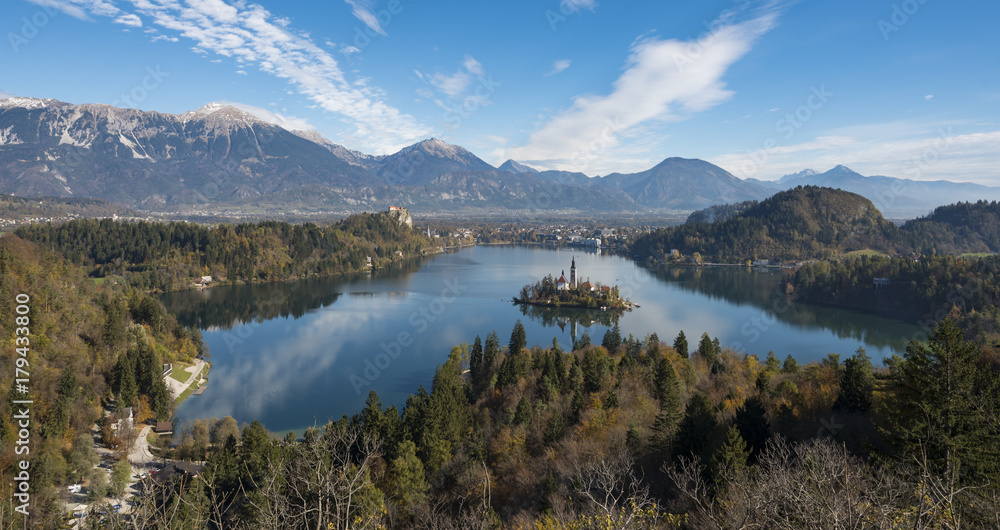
(667,420)
(584,341)
(857,384)
(125,376)
(612,339)
(731,458)
(522,415)
(706,349)
(696,433)
(476,364)
(943,407)
(790,366)
(681,344)
(518,340)
(751,421)
(408,470)
(490,352)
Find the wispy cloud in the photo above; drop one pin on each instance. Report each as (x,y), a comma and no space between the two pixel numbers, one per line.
(457,83)
(558,66)
(919,151)
(130,19)
(362,9)
(249,34)
(929,97)
(69,8)
(663,80)
(290,123)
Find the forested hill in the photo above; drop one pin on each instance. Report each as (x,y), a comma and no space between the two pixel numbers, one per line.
(805,222)
(88,349)
(957,228)
(167,256)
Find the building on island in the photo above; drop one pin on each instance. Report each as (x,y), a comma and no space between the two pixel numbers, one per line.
(561,283)
(572,274)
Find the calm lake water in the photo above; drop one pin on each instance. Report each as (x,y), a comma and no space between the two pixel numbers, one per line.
(296,354)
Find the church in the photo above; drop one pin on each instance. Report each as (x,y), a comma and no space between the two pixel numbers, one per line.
(562,284)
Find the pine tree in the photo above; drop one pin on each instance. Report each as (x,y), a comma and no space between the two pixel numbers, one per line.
(476,364)
(751,421)
(667,420)
(522,416)
(127,388)
(706,349)
(857,384)
(681,344)
(408,471)
(943,407)
(696,433)
(731,458)
(790,366)
(490,352)
(518,340)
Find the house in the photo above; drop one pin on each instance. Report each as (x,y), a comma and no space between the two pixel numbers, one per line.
(605,288)
(163,427)
(587,286)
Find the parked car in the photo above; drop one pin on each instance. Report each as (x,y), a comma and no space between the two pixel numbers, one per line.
(75,488)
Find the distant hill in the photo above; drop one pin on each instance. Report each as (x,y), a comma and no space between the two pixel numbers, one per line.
(805,222)
(684,184)
(896,198)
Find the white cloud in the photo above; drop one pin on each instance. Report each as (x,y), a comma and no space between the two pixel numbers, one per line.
(70,9)
(929,97)
(578,5)
(168,39)
(249,34)
(5,95)
(457,83)
(129,19)
(558,66)
(918,151)
(664,80)
(347,50)
(290,123)
(362,10)
(241,72)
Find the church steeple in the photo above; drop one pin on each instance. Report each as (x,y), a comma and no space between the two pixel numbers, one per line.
(572,274)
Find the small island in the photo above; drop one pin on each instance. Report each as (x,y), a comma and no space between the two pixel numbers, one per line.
(572,293)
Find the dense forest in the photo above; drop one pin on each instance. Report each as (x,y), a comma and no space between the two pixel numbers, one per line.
(924,290)
(168,256)
(628,434)
(821,223)
(90,351)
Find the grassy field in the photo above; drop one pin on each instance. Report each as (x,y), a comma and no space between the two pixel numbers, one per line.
(194,386)
(180,372)
(866,252)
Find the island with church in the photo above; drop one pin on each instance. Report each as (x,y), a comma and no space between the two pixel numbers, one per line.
(573,293)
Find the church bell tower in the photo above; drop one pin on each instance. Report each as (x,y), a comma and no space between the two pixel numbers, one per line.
(572,274)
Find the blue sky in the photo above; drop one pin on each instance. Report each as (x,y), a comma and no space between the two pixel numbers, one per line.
(762,88)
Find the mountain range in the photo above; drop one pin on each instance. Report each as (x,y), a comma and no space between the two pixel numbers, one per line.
(221,157)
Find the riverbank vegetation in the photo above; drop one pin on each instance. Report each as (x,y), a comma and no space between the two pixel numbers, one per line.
(154,256)
(631,434)
(924,290)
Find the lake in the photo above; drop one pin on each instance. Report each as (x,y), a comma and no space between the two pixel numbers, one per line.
(296,354)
